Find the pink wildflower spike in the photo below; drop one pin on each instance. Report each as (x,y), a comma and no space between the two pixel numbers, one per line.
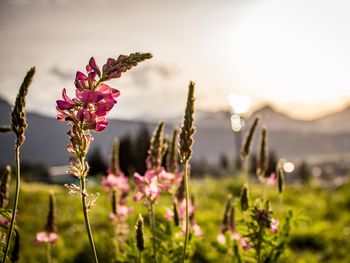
(46,237)
(147,186)
(108,64)
(94,67)
(89,96)
(274,225)
(169,215)
(221,239)
(80,76)
(272,180)
(66,103)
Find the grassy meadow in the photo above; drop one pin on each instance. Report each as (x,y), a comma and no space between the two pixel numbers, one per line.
(320,229)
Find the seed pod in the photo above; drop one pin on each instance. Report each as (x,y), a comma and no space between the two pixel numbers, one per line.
(172,156)
(246,146)
(154,159)
(50,225)
(114,163)
(280,178)
(263,159)
(140,242)
(187,128)
(18,116)
(244,198)
(4,187)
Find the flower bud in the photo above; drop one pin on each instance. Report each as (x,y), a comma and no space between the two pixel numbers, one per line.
(140,242)
(246,147)
(244,198)
(187,128)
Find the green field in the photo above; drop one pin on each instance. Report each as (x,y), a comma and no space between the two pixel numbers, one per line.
(320,229)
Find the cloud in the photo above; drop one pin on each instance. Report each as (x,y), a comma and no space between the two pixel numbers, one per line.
(62,74)
(143,76)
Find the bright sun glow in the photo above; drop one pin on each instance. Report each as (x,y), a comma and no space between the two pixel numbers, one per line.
(240,104)
(288,167)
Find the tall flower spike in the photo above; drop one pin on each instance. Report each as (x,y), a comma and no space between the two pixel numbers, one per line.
(226,217)
(187,128)
(4,187)
(154,159)
(249,139)
(50,225)
(172,157)
(114,68)
(232,220)
(140,242)
(280,178)
(244,198)
(18,116)
(114,164)
(262,161)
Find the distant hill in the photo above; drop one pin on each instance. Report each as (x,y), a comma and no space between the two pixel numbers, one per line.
(289,138)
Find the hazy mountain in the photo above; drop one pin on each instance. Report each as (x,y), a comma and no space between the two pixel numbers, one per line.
(289,138)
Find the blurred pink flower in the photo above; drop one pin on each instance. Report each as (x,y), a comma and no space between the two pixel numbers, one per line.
(147,186)
(182,209)
(120,182)
(221,239)
(46,237)
(272,180)
(197,230)
(274,225)
(169,214)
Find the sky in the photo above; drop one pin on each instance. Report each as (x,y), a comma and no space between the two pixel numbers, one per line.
(294,55)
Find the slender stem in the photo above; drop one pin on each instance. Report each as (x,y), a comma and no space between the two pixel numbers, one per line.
(261,230)
(140,258)
(86,217)
(18,181)
(153,226)
(48,252)
(187,213)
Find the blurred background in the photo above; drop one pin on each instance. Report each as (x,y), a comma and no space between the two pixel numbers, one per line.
(287,61)
(284,60)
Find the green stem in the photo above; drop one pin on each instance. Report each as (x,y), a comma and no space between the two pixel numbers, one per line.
(86,217)
(140,258)
(48,252)
(187,213)
(18,181)
(153,226)
(261,230)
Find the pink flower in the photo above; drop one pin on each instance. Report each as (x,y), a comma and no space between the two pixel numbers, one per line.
(274,225)
(165,179)
(147,186)
(46,237)
(195,227)
(182,209)
(221,239)
(272,180)
(120,182)
(169,214)
(197,230)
